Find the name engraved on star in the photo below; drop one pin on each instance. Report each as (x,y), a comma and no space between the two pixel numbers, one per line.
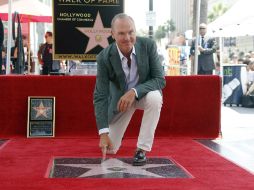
(93,2)
(96,31)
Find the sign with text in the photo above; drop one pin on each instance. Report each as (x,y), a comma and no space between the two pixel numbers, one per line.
(174,63)
(151,18)
(82,28)
(41,117)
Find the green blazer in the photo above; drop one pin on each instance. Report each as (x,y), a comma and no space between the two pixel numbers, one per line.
(111,83)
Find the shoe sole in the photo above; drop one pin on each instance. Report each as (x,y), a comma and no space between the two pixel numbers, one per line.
(139,163)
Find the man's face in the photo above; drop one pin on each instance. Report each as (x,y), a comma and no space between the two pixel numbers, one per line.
(48,38)
(124,33)
(202,29)
(25,42)
(3,54)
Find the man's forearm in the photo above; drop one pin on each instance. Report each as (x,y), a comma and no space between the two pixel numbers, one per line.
(150,85)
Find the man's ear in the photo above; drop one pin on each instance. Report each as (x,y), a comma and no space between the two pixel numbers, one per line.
(112,35)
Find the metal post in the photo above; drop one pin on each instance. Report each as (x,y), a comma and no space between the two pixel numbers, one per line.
(8,61)
(221,57)
(150,27)
(197,38)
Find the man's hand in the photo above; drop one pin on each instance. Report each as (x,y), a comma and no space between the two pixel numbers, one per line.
(105,144)
(126,101)
(201,49)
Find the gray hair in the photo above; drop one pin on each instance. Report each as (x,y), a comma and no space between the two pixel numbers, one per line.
(121,16)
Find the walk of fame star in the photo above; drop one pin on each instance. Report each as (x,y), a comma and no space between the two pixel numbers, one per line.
(98,35)
(115,168)
(41,110)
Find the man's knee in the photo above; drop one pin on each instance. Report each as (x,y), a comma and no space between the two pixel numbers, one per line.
(154,99)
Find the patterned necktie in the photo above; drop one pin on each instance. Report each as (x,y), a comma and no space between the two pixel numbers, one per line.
(202,41)
(129,62)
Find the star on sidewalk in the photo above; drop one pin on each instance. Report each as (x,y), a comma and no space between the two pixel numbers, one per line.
(98,35)
(113,165)
(41,110)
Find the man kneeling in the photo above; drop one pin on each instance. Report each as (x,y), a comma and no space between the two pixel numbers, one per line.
(129,77)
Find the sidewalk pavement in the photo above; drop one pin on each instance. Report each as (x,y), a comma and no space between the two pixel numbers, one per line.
(237,142)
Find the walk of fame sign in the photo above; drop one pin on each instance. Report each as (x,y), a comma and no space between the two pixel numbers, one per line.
(115,168)
(83,28)
(41,117)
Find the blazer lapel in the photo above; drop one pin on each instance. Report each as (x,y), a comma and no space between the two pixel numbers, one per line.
(116,64)
(140,61)
(206,41)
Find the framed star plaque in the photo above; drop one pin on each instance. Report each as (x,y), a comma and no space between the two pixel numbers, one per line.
(41,117)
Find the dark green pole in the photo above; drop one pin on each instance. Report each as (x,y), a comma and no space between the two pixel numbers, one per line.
(150,33)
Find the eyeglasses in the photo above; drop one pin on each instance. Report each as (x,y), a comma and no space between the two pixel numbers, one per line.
(202,28)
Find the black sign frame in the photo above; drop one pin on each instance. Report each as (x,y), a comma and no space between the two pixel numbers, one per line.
(41,117)
(82,28)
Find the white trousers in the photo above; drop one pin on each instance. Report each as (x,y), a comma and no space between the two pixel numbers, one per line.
(151,104)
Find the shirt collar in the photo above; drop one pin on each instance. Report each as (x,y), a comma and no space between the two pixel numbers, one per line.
(120,53)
